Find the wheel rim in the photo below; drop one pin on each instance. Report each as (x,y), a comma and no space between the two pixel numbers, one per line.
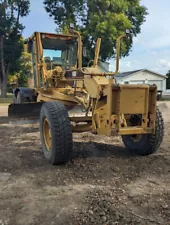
(47,134)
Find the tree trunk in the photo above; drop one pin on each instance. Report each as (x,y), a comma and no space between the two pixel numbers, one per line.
(18,17)
(4,88)
(3,78)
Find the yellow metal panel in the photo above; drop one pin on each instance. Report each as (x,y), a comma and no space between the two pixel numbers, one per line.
(103,127)
(92,87)
(56,95)
(152,106)
(133,86)
(100,118)
(97,51)
(79,84)
(101,80)
(133,101)
(92,70)
(134,130)
(145,115)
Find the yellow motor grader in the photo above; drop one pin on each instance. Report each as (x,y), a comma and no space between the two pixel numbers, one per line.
(70,98)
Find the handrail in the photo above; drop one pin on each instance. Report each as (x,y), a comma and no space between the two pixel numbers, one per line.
(79,55)
(117,60)
(97,52)
(118,41)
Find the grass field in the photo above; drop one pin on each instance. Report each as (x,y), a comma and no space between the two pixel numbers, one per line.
(6,100)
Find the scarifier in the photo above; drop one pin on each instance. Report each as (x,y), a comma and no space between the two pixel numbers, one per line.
(70,98)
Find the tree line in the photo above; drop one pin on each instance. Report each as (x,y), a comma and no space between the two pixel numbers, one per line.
(98,18)
(11,42)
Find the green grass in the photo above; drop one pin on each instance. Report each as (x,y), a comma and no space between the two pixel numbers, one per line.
(7,100)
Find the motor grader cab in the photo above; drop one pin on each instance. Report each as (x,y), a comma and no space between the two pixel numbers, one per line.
(52,56)
(69,98)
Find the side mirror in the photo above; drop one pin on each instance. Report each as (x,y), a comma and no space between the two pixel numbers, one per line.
(84,51)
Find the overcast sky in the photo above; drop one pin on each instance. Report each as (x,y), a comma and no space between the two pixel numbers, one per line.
(151,48)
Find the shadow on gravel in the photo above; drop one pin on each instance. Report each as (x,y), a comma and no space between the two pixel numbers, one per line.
(4,120)
(90,161)
(99,150)
(19,130)
(29,155)
(19,152)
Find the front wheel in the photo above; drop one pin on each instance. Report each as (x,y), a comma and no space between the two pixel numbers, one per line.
(146,144)
(56,133)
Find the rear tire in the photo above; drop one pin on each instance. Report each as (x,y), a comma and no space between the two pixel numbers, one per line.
(146,144)
(57,143)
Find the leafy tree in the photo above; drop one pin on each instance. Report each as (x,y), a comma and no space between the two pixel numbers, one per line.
(11,46)
(168,80)
(23,67)
(100,18)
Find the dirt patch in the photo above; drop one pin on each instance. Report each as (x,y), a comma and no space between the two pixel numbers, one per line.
(3,110)
(103,184)
(163,106)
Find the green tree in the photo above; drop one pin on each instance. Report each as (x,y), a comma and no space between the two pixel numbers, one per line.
(100,18)
(11,46)
(168,80)
(23,67)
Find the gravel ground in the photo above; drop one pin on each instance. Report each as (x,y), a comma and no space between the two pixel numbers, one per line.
(104,184)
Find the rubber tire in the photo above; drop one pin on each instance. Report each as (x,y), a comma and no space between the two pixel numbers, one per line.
(149,143)
(159,97)
(20,98)
(61,132)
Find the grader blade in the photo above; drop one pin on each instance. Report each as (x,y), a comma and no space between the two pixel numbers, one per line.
(26,110)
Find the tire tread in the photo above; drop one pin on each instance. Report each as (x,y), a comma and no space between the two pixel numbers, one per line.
(151,142)
(61,133)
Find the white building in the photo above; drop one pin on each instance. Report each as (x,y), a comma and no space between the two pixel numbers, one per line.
(103,66)
(143,76)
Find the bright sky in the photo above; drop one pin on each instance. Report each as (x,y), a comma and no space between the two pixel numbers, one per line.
(151,48)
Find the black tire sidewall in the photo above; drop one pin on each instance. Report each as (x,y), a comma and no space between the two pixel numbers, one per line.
(61,133)
(149,143)
(136,146)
